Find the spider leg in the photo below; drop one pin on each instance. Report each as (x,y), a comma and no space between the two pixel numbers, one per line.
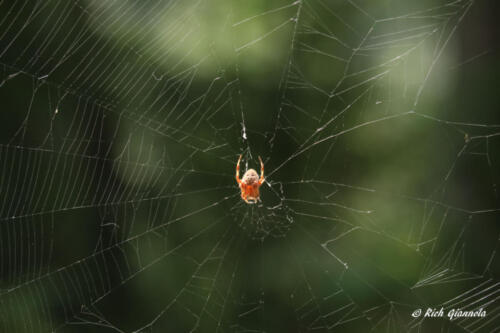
(238,171)
(261,180)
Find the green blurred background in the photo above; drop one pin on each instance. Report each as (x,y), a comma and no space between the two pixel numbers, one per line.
(121,124)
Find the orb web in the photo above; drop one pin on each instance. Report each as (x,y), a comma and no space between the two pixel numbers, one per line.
(122,122)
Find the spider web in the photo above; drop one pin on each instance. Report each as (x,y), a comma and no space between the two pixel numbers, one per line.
(122,122)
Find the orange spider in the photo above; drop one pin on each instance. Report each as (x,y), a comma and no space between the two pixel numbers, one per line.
(250,183)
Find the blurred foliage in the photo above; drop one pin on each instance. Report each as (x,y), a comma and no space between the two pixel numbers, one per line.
(121,123)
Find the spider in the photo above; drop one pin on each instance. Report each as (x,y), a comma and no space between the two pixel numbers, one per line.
(250,183)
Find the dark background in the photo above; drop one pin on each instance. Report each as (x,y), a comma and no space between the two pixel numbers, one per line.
(121,123)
